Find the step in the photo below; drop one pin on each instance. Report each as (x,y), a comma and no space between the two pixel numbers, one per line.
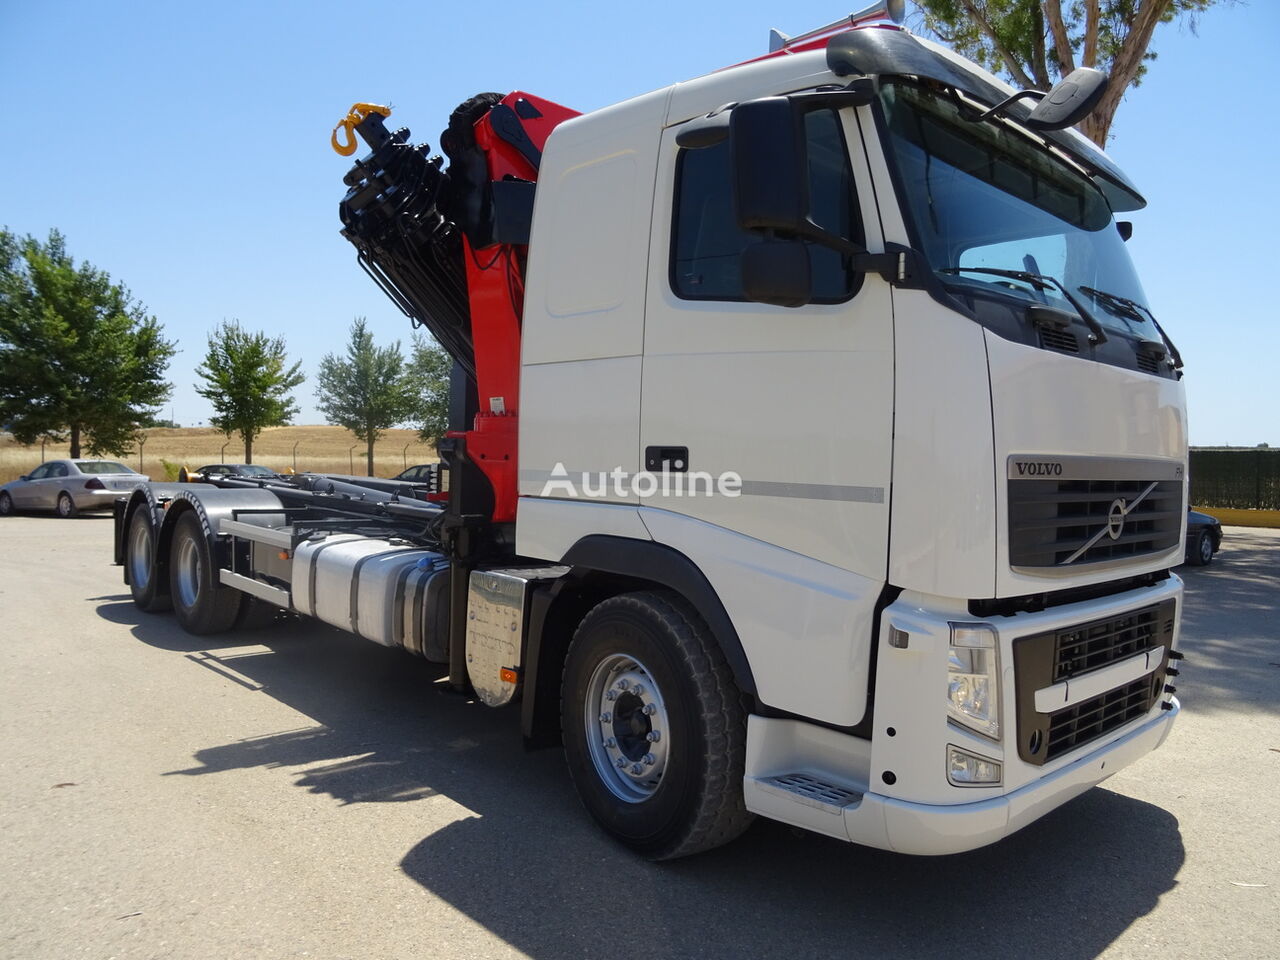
(811,791)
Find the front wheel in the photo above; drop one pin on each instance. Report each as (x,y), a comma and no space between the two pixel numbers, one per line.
(201,604)
(6,504)
(654,732)
(66,506)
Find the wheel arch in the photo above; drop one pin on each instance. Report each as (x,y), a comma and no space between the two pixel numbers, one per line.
(604,566)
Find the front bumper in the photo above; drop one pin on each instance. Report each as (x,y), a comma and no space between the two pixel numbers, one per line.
(933,829)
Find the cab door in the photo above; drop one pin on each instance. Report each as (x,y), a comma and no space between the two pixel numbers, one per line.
(797,402)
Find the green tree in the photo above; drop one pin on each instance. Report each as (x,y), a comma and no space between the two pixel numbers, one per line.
(429,368)
(80,359)
(1034,42)
(247,380)
(368,391)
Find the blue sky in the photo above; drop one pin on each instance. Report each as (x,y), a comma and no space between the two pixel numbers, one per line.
(184,149)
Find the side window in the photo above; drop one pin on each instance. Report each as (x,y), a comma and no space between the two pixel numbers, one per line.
(40,472)
(706,246)
(58,470)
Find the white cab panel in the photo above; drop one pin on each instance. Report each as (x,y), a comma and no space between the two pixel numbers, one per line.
(583,414)
(943,539)
(585,293)
(804,625)
(546,529)
(1089,409)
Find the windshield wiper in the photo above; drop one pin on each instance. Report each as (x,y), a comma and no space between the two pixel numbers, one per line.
(1042,281)
(1135,310)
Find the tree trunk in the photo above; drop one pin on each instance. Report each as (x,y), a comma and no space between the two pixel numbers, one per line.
(370,453)
(75,441)
(248,448)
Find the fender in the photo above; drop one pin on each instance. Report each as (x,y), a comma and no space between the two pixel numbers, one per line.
(212,505)
(555,612)
(646,560)
(150,497)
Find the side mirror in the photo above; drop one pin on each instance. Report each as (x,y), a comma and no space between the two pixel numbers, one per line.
(769,162)
(777,272)
(25,476)
(1069,101)
(1125,229)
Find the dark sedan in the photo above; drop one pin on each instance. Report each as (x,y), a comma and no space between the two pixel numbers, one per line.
(218,471)
(1204,537)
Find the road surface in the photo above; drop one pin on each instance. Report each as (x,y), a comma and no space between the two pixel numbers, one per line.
(295,792)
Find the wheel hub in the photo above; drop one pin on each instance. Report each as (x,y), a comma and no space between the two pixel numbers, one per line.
(627,728)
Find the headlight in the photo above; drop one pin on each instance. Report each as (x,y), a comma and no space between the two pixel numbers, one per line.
(973,678)
(965,769)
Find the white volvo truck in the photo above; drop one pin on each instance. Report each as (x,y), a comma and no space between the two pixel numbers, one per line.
(815,452)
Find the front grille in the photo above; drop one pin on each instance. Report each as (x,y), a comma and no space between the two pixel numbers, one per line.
(1078,725)
(1070,518)
(1097,644)
(1148,363)
(1044,659)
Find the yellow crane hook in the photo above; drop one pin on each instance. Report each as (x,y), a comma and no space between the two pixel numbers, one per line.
(348,125)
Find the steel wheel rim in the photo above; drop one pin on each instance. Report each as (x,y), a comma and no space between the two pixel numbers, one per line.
(1206,548)
(140,555)
(64,506)
(188,572)
(627,728)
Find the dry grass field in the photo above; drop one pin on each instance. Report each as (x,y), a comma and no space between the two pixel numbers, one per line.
(321,449)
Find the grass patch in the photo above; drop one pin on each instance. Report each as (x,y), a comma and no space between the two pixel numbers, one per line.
(321,449)
(1244,518)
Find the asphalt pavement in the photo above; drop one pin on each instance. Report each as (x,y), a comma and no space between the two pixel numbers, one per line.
(295,792)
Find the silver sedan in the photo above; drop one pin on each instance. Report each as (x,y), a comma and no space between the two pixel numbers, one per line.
(69,486)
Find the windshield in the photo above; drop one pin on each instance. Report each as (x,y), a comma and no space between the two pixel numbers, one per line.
(101,466)
(985,197)
(253,470)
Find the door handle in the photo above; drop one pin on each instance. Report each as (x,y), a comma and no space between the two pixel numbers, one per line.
(666,459)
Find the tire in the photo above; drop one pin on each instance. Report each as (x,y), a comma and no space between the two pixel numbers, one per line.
(66,506)
(140,561)
(201,604)
(6,504)
(1201,552)
(642,664)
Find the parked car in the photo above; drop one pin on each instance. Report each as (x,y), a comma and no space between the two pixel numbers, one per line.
(417,473)
(69,486)
(214,471)
(1204,537)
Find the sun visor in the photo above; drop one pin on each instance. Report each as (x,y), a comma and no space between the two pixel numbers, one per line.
(882,52)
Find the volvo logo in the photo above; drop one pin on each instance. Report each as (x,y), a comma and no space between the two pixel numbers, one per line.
(1116,514)
(1115,519)
(1038,468)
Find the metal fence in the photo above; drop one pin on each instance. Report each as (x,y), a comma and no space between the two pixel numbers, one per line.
(1236,479)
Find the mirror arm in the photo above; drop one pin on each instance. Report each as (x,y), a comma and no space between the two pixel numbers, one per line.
(1006,103)
(898,265)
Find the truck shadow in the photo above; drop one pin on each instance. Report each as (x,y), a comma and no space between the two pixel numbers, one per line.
(1230,629)
(530,867)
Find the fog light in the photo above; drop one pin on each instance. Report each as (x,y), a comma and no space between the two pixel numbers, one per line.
(966,769)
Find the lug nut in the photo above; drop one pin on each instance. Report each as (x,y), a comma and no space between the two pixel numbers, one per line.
(650,759)
(621,762)
(653,736)
(624,683)
(611,695)
(606,717)
(1170,688)
(636,768)
(650,709)
(611,743)
(638,690)
(1171,672)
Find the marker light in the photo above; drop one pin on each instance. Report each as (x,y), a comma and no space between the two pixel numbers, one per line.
(973,678)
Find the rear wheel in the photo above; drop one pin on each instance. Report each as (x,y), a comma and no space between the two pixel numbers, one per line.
(654,732)
(66,506)
(6,504)
(201,604)
(140,562)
